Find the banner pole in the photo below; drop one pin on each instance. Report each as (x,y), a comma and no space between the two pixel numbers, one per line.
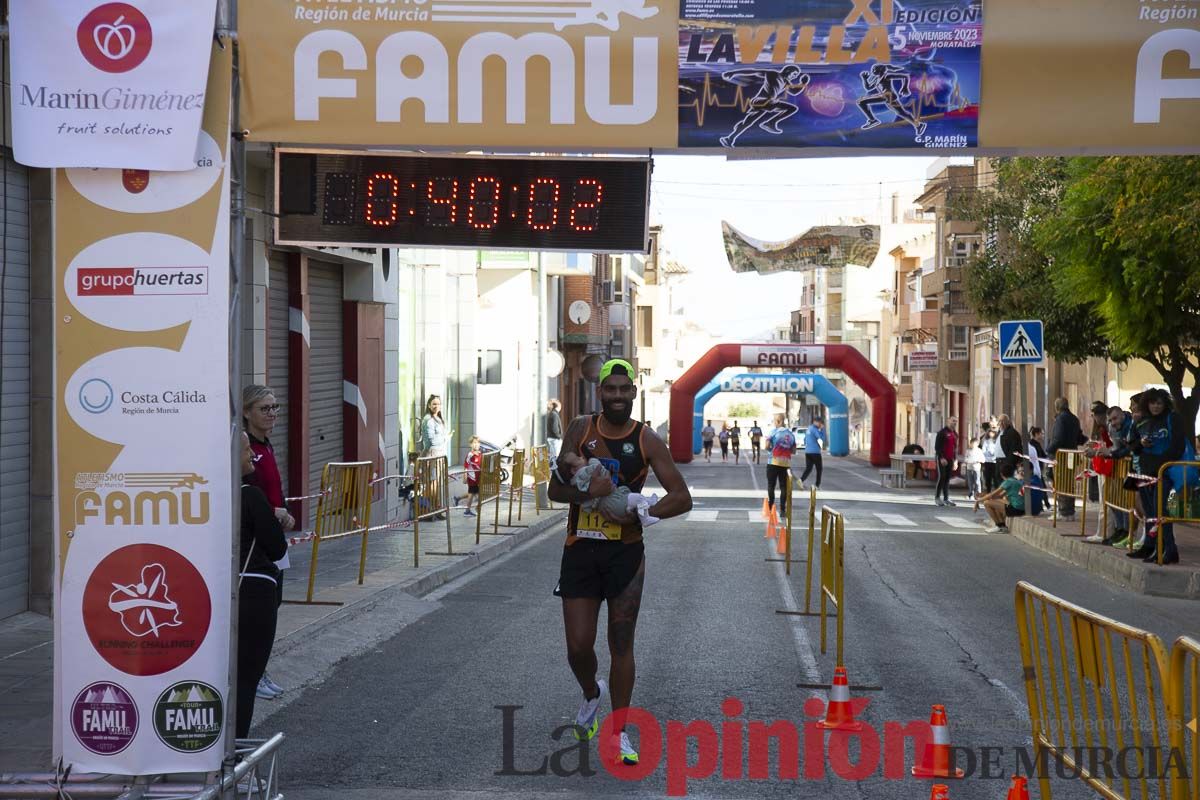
(236,164)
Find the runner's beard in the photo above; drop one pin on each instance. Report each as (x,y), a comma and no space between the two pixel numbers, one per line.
(616,416)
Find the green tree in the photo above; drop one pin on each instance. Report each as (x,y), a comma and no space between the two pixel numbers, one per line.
(744,410)
(1106,251)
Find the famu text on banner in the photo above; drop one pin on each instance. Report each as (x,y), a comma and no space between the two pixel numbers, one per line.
(116,84)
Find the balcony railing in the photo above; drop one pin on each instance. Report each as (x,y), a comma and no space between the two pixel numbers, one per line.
(957,354)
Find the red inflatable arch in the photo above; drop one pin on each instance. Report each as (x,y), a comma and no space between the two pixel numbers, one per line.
(793,357)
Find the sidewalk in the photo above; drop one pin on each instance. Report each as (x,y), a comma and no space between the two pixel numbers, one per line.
(26,640)
(1175,580)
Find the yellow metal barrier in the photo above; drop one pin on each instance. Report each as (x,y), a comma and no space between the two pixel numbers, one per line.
(343,509)
(431,498)
(1184,702)
(1072,660)
(539,469)
(489,492)
(1118,498)
(1070,480)
(1182,495)
(833,544)
(784,545)
(516,485)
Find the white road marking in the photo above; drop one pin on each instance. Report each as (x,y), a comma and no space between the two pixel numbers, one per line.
(959,522)
(804,648)
(703,515)
(942,531)
(896,519)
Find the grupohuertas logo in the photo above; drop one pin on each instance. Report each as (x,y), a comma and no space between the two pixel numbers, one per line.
(188,716)
(115,37)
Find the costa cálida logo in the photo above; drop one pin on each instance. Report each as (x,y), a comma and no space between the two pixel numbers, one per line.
(115,37)
(124,281)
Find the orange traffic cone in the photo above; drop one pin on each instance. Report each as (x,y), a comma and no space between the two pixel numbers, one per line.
(781,542)
(940,792)
(1019,790)
(766,512)
(840,716)
(936,763)
(770,527)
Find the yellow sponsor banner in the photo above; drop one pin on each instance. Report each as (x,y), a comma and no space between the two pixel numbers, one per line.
(563,73)
(1106,75)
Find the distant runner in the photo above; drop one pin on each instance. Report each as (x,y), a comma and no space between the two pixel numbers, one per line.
(781,446)
(707,434)
(756,442)
(735,439)
(723,438)
(814,438)
(603,557)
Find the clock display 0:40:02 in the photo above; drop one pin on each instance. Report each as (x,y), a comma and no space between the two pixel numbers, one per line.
(483,203)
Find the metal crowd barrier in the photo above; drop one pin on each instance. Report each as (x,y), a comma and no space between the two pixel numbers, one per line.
(539,469)
(343,509)
(489,492)
(431,497)
(1183,495)
(784,542)
(1070,480)
(1110,679)
(833,545)
(1184,702)
(1118,498)
(516,485)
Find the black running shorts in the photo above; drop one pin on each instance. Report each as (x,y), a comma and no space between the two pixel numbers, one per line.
(592,568)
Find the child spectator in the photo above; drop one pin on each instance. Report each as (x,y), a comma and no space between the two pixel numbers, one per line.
(473,463)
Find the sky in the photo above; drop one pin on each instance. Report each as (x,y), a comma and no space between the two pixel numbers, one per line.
(771,200)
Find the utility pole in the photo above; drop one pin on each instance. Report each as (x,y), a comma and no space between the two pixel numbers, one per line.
(540,399)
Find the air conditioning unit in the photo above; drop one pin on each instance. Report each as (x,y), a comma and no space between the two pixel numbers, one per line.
(607,294)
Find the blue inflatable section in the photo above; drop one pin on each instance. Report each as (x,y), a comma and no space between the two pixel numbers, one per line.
(793,383)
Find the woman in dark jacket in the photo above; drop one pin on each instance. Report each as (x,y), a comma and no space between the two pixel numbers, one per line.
(262,544)
(1160,438)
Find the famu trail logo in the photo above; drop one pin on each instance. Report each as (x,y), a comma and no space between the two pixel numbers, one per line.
(141,498)
(188,716)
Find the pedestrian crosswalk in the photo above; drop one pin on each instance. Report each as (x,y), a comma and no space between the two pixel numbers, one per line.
(875,521)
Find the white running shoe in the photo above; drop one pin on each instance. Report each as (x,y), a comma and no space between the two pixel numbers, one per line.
(264,691)
(628,755)
(588,718)
(1095,537)
(994,529)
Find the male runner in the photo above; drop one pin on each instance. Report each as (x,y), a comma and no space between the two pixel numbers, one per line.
(756,442)
(769,107)
(885,85)
(707,434)
(781,445)
(603,559)
(735,439)
(814,437)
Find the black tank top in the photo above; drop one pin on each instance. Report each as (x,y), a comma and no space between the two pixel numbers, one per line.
(625,459)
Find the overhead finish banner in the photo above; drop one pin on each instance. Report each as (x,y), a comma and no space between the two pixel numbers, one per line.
(829,73)
(143,536)
(823,246)
(1110,75)
(563,73)
(98,84)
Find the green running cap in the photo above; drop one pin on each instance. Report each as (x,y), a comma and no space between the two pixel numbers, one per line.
(618,366)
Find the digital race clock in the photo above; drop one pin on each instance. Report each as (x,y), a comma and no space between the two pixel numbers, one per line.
(329,198)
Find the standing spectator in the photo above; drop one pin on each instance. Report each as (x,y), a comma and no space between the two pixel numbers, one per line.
(707,434)
(472,464)
(259,413)
(1120,431)
(1065,435)
(974,468)
(723,438)
(1099,439)
(945,448)
(756,442)
(554,428)
(988,445)
(433,432)
(1036,452)
(1008,445)
(814,437)
(1162,437)
(433,428)
(262,544)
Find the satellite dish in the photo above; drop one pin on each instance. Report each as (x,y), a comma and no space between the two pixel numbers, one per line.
(553,363)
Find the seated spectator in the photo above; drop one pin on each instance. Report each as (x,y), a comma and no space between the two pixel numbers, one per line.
(1006,502)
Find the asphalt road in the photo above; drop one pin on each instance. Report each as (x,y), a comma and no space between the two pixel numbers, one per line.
(405,702)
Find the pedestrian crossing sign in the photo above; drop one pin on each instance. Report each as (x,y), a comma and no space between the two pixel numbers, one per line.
(1021,342)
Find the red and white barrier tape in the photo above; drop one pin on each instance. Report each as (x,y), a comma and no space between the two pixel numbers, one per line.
(1143,480)
(316,496)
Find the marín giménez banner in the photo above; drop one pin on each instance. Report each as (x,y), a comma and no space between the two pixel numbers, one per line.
(117,85)
(829,73)
(823,246)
